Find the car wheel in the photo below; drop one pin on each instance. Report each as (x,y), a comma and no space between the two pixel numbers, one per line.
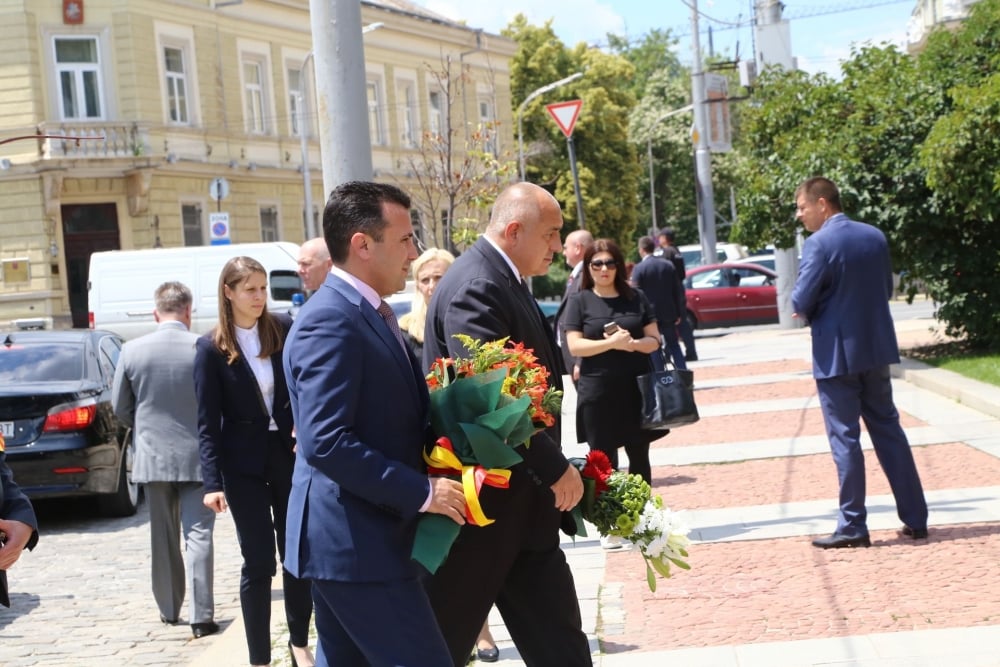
(124,501)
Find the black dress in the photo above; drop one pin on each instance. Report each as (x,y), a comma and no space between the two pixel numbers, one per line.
(608,401)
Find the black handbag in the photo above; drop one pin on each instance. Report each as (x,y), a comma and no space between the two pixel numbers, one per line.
(667,396)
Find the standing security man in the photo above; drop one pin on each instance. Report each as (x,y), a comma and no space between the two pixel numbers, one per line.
(153,393)
(573,250)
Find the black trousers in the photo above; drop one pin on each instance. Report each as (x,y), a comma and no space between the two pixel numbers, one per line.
(517,563)
(259,506)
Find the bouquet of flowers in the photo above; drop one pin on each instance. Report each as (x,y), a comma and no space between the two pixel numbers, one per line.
(623,505)
(482,406)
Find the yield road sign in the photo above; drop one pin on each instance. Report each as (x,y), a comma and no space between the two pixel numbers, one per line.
(565,114)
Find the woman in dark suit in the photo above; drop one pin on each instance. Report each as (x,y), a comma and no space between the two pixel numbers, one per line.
(612,327)
(248,450)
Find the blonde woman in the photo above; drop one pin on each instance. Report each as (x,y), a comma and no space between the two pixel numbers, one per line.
(427,272)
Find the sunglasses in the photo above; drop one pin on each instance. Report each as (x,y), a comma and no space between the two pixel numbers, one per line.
(598,264)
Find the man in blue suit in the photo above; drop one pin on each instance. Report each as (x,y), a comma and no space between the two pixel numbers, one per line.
(843,290)
(18,525)
(361,405)
(657,279)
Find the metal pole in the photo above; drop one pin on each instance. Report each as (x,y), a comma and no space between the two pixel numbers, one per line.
(652,190)
(702,156)
(649,149)
(304,143)
(520,111)
(341,92)
(576,181)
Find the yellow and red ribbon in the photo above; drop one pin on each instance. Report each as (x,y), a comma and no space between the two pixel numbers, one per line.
(443,461)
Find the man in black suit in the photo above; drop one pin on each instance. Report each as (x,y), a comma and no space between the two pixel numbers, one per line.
(573,250)
(669,250)
(18,525)
(516,561)
(656,277)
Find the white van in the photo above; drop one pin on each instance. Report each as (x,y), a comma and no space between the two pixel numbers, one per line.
(122,282)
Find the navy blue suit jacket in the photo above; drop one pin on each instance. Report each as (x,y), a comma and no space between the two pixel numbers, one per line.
(361,413)
(232,418)
(843,290)
(15,506)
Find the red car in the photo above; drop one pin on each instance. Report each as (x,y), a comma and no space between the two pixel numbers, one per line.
(725,295)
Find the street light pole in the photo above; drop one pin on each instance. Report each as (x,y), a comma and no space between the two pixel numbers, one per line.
(304,143)
(520,111)
(649,150)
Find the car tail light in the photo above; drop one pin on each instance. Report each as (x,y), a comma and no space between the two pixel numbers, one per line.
(90,320)
(71,419)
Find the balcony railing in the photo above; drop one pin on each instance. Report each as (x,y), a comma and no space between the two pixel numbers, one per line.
(92,140)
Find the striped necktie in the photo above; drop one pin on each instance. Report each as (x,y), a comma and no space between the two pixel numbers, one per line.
(385,310)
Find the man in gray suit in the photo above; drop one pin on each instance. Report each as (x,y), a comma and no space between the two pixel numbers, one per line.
(154,394)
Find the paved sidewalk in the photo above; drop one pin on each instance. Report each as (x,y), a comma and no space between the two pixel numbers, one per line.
(756,481)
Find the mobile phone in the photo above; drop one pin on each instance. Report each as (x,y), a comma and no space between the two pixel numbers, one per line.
(610,328)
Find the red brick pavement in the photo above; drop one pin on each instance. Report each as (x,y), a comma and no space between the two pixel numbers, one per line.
(785,589)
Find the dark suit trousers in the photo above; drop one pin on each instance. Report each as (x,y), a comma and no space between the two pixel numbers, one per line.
(868,396)
(517,563)
(259,506)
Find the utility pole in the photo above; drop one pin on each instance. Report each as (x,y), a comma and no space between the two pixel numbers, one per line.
(772,37)
(341,92)
(702,156)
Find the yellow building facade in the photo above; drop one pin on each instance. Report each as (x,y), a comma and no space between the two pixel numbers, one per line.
(117,116)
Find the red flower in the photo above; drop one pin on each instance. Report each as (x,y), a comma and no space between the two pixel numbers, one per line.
(598,468)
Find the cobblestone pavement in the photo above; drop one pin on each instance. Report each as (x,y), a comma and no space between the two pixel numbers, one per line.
(83,596)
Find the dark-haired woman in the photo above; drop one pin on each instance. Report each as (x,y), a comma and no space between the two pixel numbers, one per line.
(248,451)
(612,328)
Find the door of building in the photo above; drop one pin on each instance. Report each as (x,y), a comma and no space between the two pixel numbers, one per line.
(87,228)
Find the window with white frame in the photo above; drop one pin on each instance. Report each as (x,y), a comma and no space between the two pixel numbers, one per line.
(407,100)
(375,113)
(254,95)
(269,224)
(78,69)
(296,102)
(435,116)
(175,72)
(193,225)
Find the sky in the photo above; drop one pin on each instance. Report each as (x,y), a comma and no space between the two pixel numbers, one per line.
(822,31)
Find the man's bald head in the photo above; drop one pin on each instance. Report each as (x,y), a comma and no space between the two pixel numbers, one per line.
(314,263)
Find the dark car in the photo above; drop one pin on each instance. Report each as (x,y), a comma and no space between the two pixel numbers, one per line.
(549,310)
(63,439)
(725,295)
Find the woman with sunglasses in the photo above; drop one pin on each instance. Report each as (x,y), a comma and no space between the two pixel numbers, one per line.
(612,328)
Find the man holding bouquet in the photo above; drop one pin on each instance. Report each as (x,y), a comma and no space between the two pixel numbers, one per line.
(360,484)
(515,561)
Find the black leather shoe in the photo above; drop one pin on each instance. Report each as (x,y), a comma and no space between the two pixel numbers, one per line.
(690,357)
(200,630)
(167,621)
(836,541)
(488,654)
(915,533)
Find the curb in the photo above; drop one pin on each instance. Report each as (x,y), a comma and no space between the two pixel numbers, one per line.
(980,396)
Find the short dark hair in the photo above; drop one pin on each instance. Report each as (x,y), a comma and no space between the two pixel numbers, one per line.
(647,244)
(667,233)
(817,188)
(356,206)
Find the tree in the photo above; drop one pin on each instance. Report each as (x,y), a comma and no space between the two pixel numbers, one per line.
(606,161)
(457,178)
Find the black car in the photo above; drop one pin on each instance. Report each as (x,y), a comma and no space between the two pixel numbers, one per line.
(63,439)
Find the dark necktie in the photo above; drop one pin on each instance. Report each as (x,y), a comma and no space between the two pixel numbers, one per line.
(385,310)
